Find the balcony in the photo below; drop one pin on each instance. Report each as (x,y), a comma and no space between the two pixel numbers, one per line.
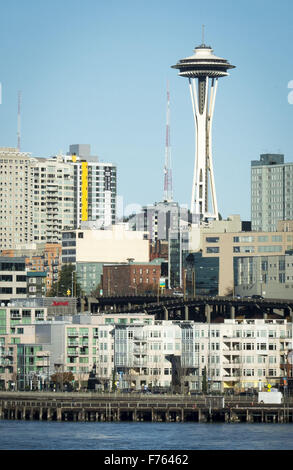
(72,352)
(72,334)
(139,363)
(72,343)
(138,350)
(139,337)
(8,353)
(230,372)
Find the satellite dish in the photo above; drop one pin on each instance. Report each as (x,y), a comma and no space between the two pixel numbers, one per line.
(290,357)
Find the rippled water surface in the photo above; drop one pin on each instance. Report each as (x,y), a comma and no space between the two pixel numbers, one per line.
(35,435)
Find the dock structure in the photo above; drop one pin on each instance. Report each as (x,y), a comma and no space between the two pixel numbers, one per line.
(81,407)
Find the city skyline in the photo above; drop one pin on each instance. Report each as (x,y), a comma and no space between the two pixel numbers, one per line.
(96,73)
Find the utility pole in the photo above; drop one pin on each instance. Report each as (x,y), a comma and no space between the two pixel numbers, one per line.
(193,281)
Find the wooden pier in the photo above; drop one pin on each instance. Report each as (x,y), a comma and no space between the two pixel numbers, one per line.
(80,407)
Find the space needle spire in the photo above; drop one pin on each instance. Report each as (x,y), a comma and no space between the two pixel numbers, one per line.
(203,69)
(168,185)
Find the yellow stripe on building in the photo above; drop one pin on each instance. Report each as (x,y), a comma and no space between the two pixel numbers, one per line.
(84,191)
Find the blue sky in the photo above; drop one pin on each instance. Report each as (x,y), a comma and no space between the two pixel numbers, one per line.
(95,71)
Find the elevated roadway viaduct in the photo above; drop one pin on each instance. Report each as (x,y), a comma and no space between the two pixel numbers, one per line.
(198,308)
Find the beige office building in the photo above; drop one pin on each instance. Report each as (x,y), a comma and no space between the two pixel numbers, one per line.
(228,245)
(117,244)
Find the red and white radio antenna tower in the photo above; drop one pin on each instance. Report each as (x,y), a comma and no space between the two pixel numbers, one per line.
(168,189)
(18,121)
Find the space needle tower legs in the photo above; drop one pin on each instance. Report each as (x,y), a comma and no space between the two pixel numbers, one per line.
(203,70)
(203,166)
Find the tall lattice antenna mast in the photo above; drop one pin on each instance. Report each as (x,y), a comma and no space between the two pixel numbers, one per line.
(168,189)
(18,120)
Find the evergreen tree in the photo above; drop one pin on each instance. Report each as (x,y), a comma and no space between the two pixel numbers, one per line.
(66,282)
(204,381)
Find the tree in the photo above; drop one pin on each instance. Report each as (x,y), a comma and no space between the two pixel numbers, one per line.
(114,381)
(62,378)
(204,381)
(65,283)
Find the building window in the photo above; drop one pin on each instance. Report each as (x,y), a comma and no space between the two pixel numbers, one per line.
(213,249)
(263,238)
(243,249)
(269,248)
(277,238)
(212,239)
(247,239)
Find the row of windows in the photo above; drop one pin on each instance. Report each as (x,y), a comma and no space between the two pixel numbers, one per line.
(248,249)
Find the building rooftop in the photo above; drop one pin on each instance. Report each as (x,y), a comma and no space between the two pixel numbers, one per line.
(269,159)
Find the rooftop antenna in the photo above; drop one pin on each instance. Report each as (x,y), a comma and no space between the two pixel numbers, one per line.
(18,120)
(202,33)
(168,190)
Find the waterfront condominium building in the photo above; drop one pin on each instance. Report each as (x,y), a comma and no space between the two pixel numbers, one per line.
(271,192)
(238,354)
(138,351)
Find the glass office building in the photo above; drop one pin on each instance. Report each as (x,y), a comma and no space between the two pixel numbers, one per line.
(201,274)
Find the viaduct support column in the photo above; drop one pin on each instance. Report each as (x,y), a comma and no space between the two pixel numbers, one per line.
(232,312)
(186,311)
(165,313)
(208,313)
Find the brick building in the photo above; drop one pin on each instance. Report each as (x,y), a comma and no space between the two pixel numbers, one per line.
(132,278)
(40,257)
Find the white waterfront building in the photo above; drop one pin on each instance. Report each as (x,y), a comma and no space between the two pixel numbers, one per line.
(235,354)
(136,351)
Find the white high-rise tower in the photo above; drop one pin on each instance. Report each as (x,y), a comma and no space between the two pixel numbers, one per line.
(203,70)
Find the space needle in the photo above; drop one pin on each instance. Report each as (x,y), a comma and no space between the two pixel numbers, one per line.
(203,69)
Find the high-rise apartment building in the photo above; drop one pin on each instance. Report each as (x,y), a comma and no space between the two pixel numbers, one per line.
(53,198)
(40,197)
(95,185)
(271,192)
(36,196)
(16,198)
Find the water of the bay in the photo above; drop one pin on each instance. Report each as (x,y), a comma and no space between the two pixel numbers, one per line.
(36,435)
